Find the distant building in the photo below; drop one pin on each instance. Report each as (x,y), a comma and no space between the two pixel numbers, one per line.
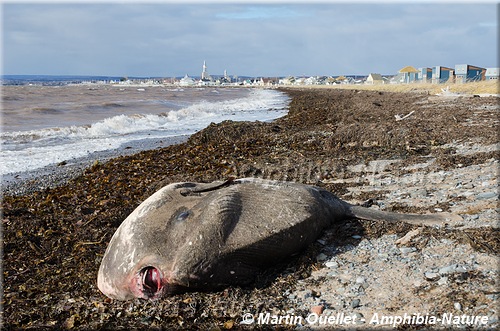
(311,81)
(425,75)
(290,80)
(410,74)
(226,79)
(468,73)
(205,77)
(442,74)
(374,79)
(492,73)
(186,81)
(268,81)
(399,78)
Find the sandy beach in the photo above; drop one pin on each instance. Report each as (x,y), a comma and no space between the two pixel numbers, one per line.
(404,152)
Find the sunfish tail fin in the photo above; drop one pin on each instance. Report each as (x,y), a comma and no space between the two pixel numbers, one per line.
(418,219)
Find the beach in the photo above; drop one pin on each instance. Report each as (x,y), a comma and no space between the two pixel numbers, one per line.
(404,152)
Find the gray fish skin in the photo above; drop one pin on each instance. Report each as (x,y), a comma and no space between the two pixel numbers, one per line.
(207,236)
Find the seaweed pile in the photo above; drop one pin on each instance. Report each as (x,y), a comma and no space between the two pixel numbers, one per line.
(54,239)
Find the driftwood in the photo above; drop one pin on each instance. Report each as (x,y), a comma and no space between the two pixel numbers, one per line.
(400,118)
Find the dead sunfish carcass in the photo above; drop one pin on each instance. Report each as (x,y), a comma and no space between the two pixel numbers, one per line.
(207,236)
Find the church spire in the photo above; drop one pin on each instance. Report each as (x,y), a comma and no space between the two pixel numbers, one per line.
(204,74)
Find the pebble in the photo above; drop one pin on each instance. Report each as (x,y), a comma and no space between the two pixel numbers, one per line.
(328,312)
(420,193)
(360,280)
(315,294)
(321,257)
(457,306)
(468,194)
(442,281)
(431,276)
(451,269)
(360,319)
(355,303)
(331,264)
(486,195)
(317,309)
(406,250)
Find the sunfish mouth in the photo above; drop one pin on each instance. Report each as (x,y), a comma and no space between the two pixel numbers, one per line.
(151,281)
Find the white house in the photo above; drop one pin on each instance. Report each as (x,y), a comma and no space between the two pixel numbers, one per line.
(374,79)
(492,73)
(311,81)
(186,81)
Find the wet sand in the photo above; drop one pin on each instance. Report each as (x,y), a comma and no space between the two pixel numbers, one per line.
(54,238)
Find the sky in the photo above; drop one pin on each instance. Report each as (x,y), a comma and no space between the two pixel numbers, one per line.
(254,38)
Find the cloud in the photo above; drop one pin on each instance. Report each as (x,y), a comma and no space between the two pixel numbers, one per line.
(262,12)
(260,40)
(492,24)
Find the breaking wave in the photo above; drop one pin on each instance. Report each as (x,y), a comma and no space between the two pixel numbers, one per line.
(194,116)
(28,150)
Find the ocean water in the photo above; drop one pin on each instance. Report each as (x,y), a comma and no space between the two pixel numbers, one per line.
(46,125)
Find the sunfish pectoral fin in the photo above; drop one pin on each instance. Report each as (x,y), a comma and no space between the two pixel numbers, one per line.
(418,219)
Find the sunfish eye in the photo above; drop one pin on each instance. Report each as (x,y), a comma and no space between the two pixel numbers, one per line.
(183,216)
(151,281)
(180,215)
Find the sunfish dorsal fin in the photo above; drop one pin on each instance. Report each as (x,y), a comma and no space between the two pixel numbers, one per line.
(228,182)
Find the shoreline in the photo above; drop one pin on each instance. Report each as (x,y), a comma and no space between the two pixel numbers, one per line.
(116,121)
(51,176)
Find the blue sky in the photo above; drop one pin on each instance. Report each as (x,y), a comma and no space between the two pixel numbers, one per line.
(255,38)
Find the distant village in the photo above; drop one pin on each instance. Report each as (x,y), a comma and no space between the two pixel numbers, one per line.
(461,73)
